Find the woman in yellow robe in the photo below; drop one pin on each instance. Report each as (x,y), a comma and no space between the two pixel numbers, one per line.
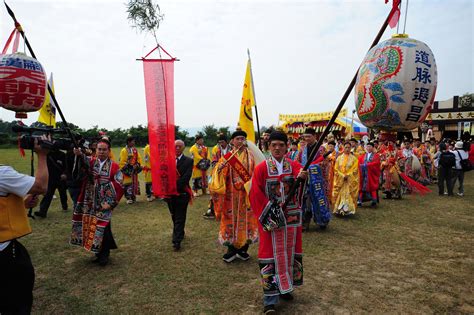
(147,172)
(346,182)
(198,152)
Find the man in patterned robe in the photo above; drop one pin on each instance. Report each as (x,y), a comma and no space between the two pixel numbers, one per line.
(280,250)
(369,173)
(101,191)
(238,226)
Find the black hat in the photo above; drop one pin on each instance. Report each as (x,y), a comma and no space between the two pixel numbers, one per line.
(310,131)
(278,135)
(222,137)
(238,133)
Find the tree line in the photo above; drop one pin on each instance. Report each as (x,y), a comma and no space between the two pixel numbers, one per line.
(117,136)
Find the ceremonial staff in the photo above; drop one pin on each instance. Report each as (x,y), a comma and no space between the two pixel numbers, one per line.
(315,149)
(50,90)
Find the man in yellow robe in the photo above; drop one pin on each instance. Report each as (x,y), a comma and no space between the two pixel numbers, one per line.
(238,225)
(147,173)
(200,154)
(130,165)
(346,182)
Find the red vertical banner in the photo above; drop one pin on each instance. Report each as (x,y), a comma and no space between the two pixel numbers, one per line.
(159,91)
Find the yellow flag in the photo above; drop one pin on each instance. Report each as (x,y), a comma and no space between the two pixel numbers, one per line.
(248,101)
(47,113)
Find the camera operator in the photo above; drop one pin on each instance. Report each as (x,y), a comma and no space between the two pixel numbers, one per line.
(18,192)
(56,161)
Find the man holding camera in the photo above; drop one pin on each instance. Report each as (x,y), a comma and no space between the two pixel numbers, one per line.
(56,161)
(18,192)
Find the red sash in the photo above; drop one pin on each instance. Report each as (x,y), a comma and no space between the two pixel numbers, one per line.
(238,167)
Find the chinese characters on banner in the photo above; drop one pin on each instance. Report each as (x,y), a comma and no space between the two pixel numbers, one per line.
(451,115)
(159,90)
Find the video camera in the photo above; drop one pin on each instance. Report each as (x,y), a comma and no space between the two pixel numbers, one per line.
(30,134)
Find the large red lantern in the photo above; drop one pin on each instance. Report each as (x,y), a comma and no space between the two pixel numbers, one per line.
(23,84)
(396,85)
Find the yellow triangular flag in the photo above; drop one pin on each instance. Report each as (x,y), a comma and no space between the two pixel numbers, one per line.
(248,100)
(47,113)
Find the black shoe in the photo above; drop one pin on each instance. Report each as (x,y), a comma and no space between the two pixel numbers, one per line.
(243,255)
(269,309)
(373,204)
(209,215)
(359,204)
(287,297)
(306,226)
(323,227)
(230,255)
(103,261)
(176,246)
(96,259)
(40,214)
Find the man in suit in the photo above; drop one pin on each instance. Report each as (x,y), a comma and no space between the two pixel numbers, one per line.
(178,205)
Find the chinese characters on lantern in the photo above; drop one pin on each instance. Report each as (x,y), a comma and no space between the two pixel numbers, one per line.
(22,83)
(423,76)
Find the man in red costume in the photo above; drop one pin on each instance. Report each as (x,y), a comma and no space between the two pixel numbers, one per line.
(369,172)
(280,249)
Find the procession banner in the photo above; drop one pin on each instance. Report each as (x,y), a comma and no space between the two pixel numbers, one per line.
(291,118)
(159,90)
(248,101)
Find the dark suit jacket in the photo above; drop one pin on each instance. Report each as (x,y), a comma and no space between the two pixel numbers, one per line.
(185,169)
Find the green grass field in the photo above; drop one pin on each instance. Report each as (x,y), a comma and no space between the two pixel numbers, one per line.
(407,256)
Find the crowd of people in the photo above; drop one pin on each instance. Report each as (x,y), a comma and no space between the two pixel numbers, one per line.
(250,190)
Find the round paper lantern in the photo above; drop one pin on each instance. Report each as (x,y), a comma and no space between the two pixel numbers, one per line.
(396,84)
(23,84)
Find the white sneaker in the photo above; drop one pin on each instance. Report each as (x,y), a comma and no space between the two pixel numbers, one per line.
(149,199)
(129,202)
(460,194)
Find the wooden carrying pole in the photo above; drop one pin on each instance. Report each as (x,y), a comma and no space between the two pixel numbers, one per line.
(315,149)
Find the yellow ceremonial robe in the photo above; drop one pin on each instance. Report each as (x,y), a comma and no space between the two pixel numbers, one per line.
(147,164)
(345,192)
(198,152)
(132,157)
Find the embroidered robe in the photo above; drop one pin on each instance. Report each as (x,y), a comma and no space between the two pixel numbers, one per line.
(89,219)
(238,225)
(280,250)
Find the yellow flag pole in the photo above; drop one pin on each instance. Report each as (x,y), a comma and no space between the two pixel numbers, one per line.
(255,100)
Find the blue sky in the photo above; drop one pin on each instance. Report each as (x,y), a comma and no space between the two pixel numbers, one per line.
(304,54)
